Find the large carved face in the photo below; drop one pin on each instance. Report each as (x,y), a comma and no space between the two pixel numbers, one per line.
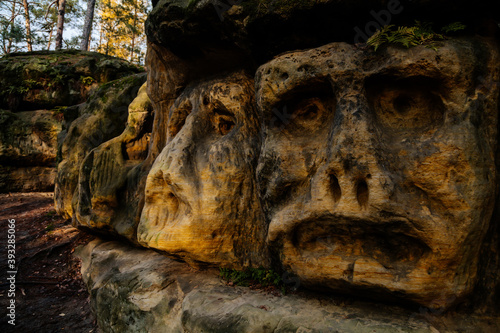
(201,200)
(377,172)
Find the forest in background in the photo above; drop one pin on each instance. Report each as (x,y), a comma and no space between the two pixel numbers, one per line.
(113,27)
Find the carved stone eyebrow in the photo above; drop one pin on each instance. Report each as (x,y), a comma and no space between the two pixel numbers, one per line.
(219,108)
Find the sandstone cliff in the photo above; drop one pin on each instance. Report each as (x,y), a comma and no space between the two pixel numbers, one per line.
(38,94)
(273,136)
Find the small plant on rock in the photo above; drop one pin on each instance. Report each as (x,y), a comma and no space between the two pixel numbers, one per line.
(253,277)
(453,27)
(420,34)
(87,80)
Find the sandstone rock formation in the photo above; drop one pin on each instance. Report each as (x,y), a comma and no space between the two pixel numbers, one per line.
(137,290)
(38,91)
(102,118)
(111,177)
(201,204)
(47,79)
(28,143)
(368,173)
(367,185)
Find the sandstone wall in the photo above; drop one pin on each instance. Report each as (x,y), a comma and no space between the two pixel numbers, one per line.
(272,136)
(38,91)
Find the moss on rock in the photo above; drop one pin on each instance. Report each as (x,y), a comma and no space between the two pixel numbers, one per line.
(46,79)
(101,118)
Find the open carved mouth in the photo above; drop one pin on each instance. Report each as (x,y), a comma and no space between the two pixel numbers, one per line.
(392,244)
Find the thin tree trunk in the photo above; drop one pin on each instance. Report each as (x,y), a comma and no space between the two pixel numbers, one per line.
(132,52)
(87,27)
(99,47)
(28,25)
(9,44)
(133,33)
(50,38)
(60,24)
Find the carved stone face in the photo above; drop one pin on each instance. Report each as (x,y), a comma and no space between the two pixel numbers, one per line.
(377,172)
(201,200)
(108,191)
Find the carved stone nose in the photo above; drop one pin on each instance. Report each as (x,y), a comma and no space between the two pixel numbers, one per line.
(362,193)
(353,172)
(349,193)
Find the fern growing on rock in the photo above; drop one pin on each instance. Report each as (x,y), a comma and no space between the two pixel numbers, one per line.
(419,34)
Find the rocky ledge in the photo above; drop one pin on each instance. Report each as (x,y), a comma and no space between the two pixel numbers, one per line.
(139,290)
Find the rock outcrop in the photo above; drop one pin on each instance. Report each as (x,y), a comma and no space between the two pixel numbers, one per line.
(383,193)
(28,144)
(201,204)
(49,79)
(102,117)
(112,176)
(137,290)
(271,136)
(38,94)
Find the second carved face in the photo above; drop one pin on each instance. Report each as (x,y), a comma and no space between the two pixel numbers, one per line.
(201,200)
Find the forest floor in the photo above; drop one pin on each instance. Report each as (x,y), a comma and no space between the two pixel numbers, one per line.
(50,294)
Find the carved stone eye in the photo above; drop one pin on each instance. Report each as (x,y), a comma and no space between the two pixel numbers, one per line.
(225,125)
(308,110)
(178,118)
(406,105)
(223,120)
(304,110)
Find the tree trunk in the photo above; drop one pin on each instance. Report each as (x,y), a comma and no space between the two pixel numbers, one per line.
(87,27)
(99,47)
(9,44)
(28,25)
(50,37)
(60,24)
(133,33)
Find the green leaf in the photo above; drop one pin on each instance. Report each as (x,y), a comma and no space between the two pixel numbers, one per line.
(453,27)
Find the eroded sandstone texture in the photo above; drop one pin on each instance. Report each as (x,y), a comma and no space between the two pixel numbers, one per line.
(201,199)
(109,185)
(139,290)
(102,118)
(383,176)
(39,92)
(362,172)
(48,79)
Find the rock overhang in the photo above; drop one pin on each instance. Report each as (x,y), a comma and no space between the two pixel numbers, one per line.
(265,28)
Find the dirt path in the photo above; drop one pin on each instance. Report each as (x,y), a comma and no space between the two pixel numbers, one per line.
(50,295)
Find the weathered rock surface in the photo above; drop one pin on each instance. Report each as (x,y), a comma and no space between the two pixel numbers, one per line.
(369,173)
(137,290)
(264,28)
(364,183)
(102,118)
(27,179)
(28,145)
(381,192)
(201,201)
(112,176)
(48,79)
(45,86)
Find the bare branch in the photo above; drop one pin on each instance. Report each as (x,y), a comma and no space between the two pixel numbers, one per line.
(48,9)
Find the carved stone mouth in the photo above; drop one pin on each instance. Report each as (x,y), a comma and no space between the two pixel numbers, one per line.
(392,244)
